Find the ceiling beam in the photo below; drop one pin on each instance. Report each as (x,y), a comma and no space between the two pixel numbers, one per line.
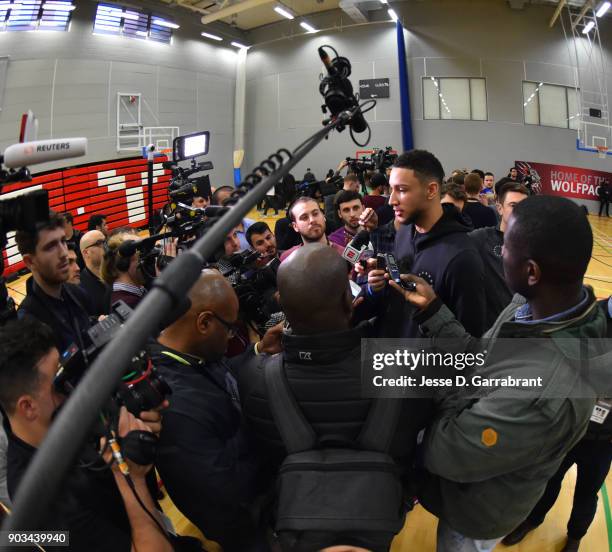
(235,8)
(557,13)
(587,5)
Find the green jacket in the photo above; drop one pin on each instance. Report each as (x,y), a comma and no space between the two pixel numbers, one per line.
(488,460)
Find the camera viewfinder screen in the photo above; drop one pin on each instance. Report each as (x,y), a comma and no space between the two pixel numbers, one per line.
(195,145)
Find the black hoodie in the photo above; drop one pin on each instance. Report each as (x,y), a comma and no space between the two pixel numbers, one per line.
(447,259)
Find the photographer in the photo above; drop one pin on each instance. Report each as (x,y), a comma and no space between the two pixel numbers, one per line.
(98,508)
(205,459)
(489,460)
(49,298)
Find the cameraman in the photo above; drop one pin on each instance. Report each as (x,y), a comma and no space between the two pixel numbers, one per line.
(96,507)
(49,298)
(124,274)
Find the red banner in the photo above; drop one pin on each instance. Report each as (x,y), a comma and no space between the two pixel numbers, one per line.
(119,189)
(563,181)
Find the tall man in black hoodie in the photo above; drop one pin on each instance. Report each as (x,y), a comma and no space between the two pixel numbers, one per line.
(431,242)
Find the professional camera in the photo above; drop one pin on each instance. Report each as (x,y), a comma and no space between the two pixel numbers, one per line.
(331,186)
(383,159)
(255,286)
(151,256)
(360,166)
(141,388)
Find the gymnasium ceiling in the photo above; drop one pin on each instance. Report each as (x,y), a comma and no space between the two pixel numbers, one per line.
(250,14)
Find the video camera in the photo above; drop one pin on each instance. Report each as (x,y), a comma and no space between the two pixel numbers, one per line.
(151,255)
(380,160)
(141,388)
(254,286)
(383,159)
(178,214)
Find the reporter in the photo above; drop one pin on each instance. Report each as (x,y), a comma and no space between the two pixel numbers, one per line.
(96,507)
(123,273)
(480,487)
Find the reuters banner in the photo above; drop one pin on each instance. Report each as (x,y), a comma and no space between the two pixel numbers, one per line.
(563,181)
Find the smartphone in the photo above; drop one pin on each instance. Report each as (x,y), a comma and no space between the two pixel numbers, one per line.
(394,273)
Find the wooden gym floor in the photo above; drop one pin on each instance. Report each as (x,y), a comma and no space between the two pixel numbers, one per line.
(419,533)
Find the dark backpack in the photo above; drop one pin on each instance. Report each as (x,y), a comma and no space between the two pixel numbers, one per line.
(329,491)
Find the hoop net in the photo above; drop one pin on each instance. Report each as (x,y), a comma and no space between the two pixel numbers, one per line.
(602,151)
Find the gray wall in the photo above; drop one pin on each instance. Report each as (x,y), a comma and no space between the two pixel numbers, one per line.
(480,38)
(71,79)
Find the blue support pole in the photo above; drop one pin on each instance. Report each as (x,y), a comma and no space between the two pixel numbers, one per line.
(407,139)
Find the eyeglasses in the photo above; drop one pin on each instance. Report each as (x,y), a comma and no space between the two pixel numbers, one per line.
(231,328)
(99,243)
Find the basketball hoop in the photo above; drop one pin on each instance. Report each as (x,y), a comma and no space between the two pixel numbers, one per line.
(602,151)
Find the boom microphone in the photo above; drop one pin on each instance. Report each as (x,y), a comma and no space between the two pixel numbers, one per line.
(42,151)
(337,90)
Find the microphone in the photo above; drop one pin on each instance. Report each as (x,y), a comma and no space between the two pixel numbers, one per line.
(337,90)
(353,249)
(42,151)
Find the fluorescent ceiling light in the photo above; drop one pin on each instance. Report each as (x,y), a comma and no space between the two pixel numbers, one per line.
(142,33)
(588,27)
(384,1)
(63,6)
(164,23)
(283,12)
(308,27)
(392,14)
(211,36)
(131,16)
(603,9)
(238,45)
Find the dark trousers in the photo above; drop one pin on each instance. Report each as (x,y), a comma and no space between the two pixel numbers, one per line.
(270,202)
(592,459)
(604,203)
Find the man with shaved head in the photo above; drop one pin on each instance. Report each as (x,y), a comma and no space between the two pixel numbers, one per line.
(205,458)
(92,250)
(322,364)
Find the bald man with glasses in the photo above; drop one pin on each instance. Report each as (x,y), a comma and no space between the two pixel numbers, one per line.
(92,250)
(205,458)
